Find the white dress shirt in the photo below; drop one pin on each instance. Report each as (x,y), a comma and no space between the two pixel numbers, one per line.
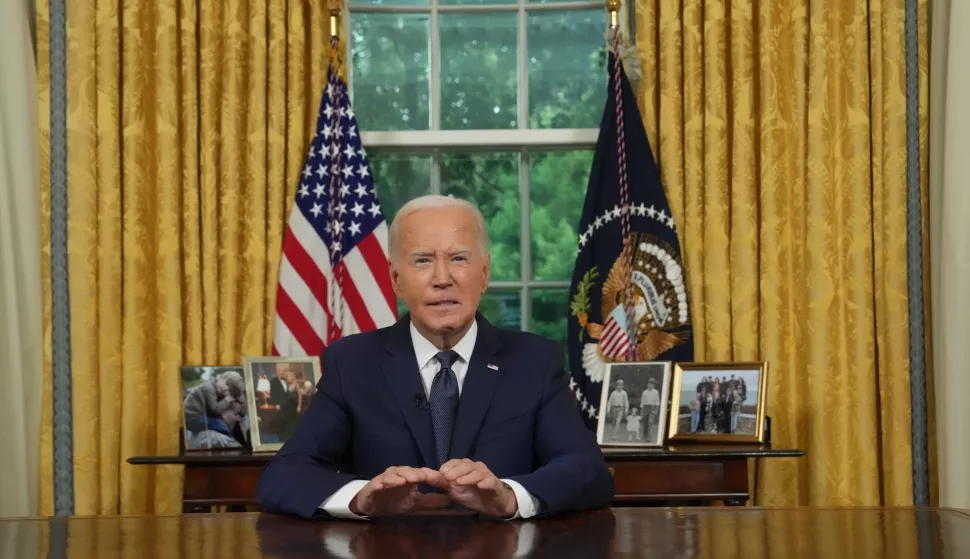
(650,397)
(338,504)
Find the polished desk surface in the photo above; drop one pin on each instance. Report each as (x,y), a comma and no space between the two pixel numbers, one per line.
(668,452)
(727,533)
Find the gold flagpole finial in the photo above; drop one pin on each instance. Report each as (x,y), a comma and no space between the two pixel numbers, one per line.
(334,7)
(613,7)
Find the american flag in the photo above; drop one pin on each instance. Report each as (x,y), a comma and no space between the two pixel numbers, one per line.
(615,341)
(334,276)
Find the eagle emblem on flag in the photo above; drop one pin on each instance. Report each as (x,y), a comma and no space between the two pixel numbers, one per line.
(659,307)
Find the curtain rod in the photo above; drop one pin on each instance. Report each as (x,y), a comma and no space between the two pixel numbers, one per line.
(612,6)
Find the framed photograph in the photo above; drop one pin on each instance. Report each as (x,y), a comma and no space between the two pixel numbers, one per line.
(633,404)
(215,409)
(719,402)
(280,392)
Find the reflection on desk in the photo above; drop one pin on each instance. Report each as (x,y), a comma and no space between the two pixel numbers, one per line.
(730,533)
(444,535)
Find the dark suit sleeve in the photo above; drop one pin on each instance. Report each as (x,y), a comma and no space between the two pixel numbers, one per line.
(306,470)
(572,473)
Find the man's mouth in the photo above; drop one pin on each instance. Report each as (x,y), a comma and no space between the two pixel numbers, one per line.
(447,303)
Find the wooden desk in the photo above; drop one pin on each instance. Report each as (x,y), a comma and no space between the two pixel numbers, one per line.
(695,474)
(714,533)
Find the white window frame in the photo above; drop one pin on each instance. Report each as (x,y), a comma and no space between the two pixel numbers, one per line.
(521,140)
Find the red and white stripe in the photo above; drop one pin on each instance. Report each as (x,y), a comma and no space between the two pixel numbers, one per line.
(304,320)
(614,342)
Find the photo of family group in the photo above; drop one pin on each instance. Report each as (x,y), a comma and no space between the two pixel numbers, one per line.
(722,402)
(712,400)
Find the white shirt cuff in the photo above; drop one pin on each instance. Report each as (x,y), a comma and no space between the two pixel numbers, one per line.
(338,504)
(528,505)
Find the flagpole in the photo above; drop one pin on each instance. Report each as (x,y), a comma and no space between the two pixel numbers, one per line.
(614,7)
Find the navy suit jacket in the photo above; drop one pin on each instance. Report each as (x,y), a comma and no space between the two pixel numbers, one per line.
(370,413)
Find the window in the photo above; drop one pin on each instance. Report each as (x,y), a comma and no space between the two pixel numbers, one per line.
(496,101)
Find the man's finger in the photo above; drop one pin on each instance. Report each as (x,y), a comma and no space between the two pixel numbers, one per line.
(490,483)
(449,465)
(412,475)
(471,478)
(458,470)
(393,480)
(431,501)
(435,478)
(399,470)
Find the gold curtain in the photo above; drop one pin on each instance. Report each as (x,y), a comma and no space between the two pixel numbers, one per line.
(187,124)
(780,131)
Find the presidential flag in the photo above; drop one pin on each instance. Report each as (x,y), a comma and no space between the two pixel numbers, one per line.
(334,277)
(628,297)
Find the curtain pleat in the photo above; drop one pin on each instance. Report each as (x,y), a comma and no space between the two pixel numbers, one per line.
(187,124)
(780,131)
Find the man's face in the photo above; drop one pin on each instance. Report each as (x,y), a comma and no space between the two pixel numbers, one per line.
(281,370)
(439,270)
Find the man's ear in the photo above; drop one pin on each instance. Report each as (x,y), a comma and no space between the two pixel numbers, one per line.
(487,272)
(394,278)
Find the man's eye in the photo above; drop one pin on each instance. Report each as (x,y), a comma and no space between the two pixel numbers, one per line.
(460,259)
(422,260)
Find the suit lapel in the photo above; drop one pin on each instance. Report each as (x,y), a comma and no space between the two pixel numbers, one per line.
(478,389)
(400,366)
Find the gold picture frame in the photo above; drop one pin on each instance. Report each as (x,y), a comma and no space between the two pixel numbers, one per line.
(713,414)
(276,410)
(634,427)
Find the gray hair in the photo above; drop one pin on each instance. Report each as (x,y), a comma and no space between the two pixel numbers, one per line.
(435,201)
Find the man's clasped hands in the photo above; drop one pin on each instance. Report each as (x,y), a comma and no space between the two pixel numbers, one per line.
(461,481)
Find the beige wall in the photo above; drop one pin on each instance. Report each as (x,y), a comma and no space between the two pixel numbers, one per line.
(20,264)
(950,242)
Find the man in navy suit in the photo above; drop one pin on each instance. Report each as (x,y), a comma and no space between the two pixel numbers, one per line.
(442,408)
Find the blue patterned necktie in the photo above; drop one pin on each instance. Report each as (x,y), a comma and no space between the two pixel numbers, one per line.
(444,404)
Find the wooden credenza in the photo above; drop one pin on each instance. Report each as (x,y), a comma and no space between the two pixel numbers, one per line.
(685,475)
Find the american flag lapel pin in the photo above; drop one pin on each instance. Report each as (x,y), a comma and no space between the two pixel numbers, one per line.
(492,367)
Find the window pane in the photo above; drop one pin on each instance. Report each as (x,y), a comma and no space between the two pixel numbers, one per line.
(502,308)
(567,68)
(398,178)
(558,185)
(550,311)
(491,181)
(476,2)
(391,71)
(479,78)
(387,3)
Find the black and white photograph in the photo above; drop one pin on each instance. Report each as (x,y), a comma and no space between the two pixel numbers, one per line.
(215,411)
(633,404)
(718,401)
(280,391)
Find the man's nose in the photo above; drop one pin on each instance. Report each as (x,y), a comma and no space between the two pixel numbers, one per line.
(441,275)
